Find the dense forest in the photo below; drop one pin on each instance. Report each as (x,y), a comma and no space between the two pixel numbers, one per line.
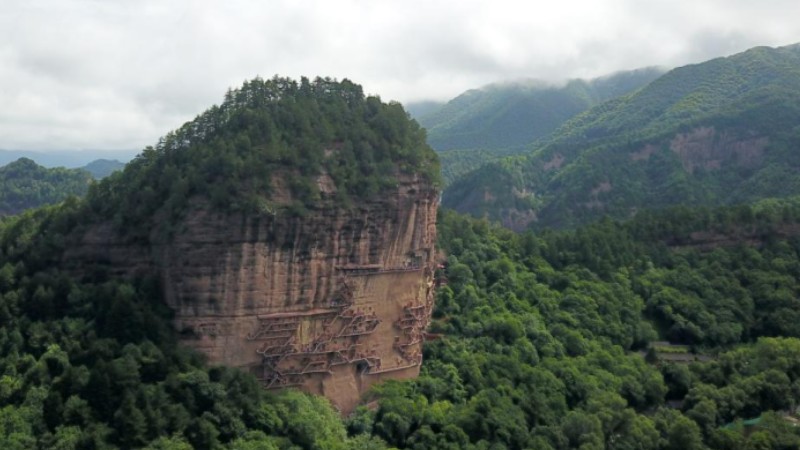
(541,341)
(543,336)
(720,132)
(25,184)
(456,163)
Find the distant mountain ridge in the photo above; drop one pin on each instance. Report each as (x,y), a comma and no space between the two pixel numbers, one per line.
(504,119)
(101,168)
(719,132)
(514,114)
(66,158)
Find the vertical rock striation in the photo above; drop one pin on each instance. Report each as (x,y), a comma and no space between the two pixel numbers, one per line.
(330,302)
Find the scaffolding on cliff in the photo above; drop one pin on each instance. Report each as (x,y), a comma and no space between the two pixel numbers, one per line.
(285,325)
(358,323)
(370,269)
(344,297)
(286,363)
(412,325)
(286,368)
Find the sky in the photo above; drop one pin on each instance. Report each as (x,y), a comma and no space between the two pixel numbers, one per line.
(117,74)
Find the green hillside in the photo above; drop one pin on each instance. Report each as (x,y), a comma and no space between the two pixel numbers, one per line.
(715,133)
(279,128)
(514,114)
(25,184)
(505,119)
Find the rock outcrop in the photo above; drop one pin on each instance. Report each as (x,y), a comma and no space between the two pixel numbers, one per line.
(330,302)
(292,229)
(707,148)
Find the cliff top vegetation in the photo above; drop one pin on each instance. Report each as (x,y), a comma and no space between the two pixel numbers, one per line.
(268,132)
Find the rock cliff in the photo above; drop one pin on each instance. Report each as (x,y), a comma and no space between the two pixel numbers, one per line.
(292,228)
(330,302)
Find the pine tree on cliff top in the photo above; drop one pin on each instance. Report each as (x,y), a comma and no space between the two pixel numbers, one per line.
(279,128)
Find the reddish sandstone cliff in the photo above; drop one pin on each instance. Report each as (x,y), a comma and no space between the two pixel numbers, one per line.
(331,302)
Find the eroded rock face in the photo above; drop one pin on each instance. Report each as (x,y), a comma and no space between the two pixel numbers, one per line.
(331,302)
(707,148)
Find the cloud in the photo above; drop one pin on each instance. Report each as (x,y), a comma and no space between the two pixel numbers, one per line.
(117,75)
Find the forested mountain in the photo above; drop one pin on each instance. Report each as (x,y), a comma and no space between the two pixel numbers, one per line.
(25,184)
(101,168)
(89,358)
(719,132)
(506,118)
(515,114)
(233,153)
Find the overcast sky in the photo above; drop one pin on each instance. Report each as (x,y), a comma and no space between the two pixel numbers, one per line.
(117,74)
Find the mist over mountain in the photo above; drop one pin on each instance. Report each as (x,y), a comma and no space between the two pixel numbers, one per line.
(714,133)
(66,158)
(507,118)
(422,108)
(515,114)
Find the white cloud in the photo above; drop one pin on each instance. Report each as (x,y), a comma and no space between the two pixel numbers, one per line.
(118,74)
